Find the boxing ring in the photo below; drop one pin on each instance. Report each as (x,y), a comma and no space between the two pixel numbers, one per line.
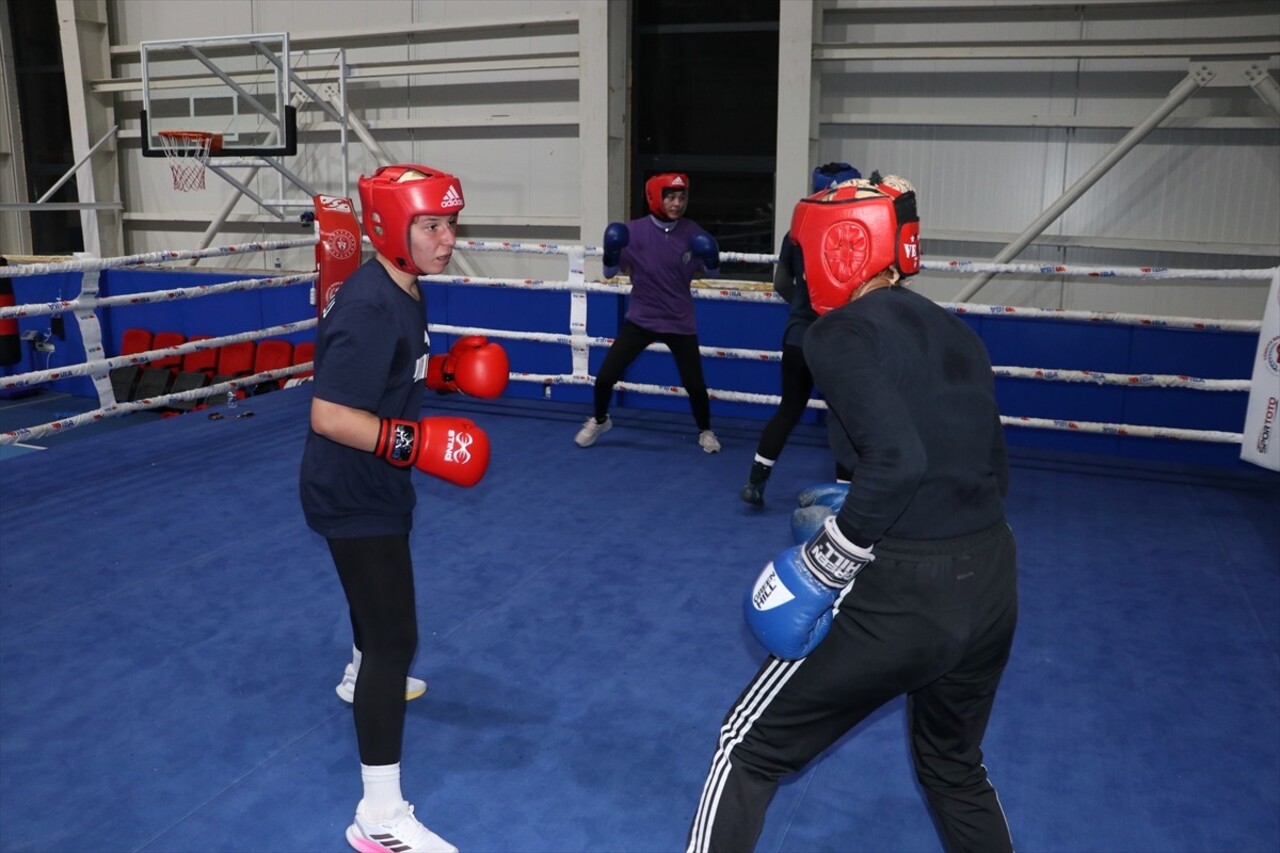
(170,631)
(97,365)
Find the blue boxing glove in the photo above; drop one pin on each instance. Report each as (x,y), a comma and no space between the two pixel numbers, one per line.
(824,494)
(808,520)
(816,503)
(790,606)
(704,248)
(616,237)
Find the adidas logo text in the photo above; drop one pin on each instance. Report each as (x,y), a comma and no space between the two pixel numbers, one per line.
(451,198)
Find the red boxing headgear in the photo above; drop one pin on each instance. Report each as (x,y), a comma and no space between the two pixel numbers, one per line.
(389,201)
(657,185)
(850,233)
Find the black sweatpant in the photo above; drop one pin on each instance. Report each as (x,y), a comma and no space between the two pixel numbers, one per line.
(377,576)
(797,385)
(630,342)
(931,619)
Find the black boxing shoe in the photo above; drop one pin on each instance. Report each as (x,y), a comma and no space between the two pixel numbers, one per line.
(753,491)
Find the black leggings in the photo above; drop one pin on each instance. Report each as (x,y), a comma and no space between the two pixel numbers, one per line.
(797,385)
(377,576)
(630,342)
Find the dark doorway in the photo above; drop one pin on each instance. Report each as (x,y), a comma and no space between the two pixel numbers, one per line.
(704,98)
(46,127)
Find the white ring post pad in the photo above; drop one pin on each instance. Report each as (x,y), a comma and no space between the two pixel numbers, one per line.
(337,246)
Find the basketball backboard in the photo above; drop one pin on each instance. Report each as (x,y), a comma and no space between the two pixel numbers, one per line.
(235,86)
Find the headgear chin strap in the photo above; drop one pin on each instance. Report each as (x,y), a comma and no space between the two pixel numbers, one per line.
(657,185)
(389,201)
(850,233)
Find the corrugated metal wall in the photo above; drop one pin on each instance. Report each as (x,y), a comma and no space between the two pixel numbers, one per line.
(991,140)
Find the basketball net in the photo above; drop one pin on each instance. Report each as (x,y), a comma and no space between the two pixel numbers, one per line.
(188,154)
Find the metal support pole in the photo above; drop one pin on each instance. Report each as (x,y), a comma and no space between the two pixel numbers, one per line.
(1185,89)
(53,189)
(1265,85)
(361,129)
(212,230)
(236,87)
(278,214)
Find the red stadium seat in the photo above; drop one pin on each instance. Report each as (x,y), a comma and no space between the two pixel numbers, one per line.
(236,359)
(135,341)
(201,361)
(271,355)
(302,353)
(164,340)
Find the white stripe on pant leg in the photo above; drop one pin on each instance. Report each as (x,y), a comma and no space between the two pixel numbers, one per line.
(748,711)
(714,783)
(776,668)
(770,681)
(763,683)
(999,805)
(760,694)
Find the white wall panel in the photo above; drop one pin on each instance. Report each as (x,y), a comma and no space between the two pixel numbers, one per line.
(966,179)
(1214,186)
(520,174)
(531,180)
(305,17)
(135,21)
(992,142)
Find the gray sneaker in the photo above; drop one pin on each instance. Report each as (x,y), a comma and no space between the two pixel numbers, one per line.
(707,441)
(591,431)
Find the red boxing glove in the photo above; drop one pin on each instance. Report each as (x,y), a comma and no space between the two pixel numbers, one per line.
(474,366)
(453,449)
(468,342)
(397,442)
(436,377)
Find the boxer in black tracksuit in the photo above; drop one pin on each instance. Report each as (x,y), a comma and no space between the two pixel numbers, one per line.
(913,415)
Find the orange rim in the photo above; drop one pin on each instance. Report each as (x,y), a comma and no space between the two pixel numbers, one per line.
(215,139)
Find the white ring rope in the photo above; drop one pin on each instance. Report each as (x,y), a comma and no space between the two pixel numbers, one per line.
(1125,429)
(1142,380)
(706,289)
(1097,272)
(63,306)
(713,289)
(1190,324)
(94,264)
(1096,377)
(119,409)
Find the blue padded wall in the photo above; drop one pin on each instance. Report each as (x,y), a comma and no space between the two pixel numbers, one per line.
(67,350)
(221,314)
(1011,340)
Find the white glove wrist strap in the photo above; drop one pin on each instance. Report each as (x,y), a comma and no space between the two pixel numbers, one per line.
(832,558)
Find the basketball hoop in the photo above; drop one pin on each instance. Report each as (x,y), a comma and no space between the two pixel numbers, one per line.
(188,154)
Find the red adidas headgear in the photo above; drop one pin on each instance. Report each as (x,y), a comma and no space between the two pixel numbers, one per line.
(389,204)
(658,184)
(851,232)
